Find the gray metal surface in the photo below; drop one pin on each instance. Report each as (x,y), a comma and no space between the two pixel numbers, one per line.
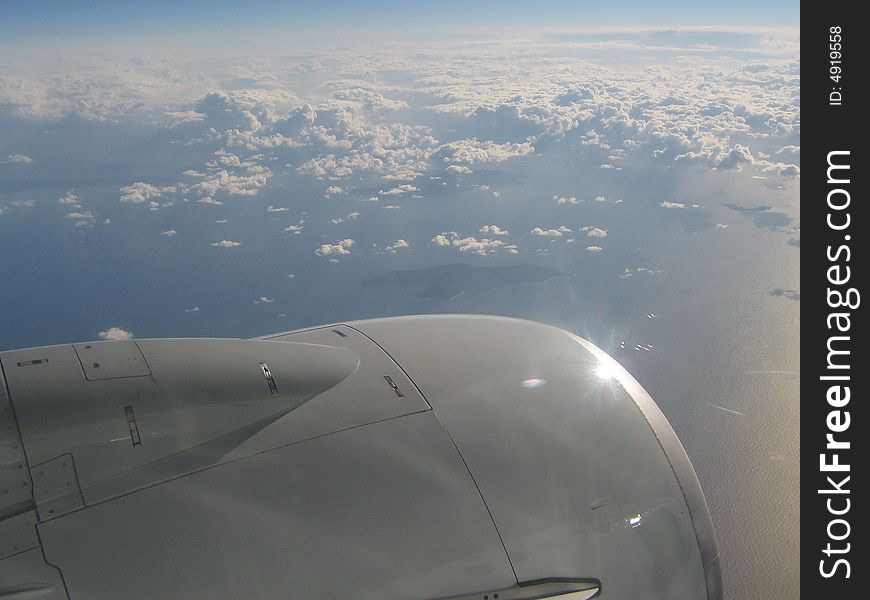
(203,398)
(14,475)
(417,458)
(575,478)
(383,511)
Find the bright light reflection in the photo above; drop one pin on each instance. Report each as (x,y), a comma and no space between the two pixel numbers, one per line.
(635,520)
(533,383)
(606,371)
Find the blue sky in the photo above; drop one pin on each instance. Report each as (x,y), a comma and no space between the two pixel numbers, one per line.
(56,18)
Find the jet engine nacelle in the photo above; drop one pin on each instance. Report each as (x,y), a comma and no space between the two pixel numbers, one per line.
(413,457)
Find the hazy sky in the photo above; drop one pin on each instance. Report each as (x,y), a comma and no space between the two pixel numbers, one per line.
(59,18)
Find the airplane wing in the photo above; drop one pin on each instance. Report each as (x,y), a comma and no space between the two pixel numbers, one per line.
(422,457)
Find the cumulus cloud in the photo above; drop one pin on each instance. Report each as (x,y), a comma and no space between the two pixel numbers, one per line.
(399,244)
(169,233)
(493,230)
(472,151)
(116,334)
(20,159)
(226,244)
(341,248)
(597,232)
(550,232)
(224,182)
(669,204)
(353,216)
(402,189)
(471,245)
(594,248)
(734,158)
(141,191)
(566,200)
(82,219)
(70,199)
(275,209)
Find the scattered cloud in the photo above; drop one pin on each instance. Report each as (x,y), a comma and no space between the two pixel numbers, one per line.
(20,159)
(594,248)
(399,244)
(341,248)
(669,204)
(471,245)
(550,232)
(493,230)
(402,189)
(116,334)
(26,203)
(169,233)
(70,199)
(141,191)
(82,219)
(226,244)
(597,232)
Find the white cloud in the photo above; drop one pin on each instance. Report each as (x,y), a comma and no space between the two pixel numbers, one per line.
(341,248)
(70,199)
(141,191)
(82,219)
(734,158)
(353,216)
(458,169)
(471,245)
(472,151)
(192,309)
(669,204)
(550,232)
(294,229)
(20,159)
(275,209)
(224,182)
(721,225)
(594,248)
(116,334)
(26,203)
(399,244)
(226,244)
(566,200)
(402,189)
(790,149)
(441,239)
(597,232)
(493,230)
(169,233)
(210,200)
(264,300)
